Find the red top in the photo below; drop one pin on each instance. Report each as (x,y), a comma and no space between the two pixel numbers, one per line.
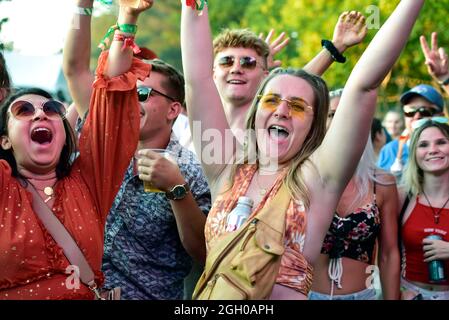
(32,265)
(419,225)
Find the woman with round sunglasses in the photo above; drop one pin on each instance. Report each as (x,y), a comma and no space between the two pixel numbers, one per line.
(37,143)
(425,213)
(287,120)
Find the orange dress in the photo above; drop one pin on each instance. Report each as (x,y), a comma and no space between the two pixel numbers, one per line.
(295,272)
(32,265)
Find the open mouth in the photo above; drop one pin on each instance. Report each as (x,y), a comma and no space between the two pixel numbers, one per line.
(41,135)
(278,132)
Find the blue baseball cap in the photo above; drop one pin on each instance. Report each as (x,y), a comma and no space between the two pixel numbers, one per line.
(427,92)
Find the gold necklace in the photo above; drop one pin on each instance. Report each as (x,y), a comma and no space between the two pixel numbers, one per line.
(262,191)
(436,215)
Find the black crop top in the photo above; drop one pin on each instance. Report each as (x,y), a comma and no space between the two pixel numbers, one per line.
(355,235)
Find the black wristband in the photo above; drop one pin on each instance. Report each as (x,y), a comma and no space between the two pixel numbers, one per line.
(335,54)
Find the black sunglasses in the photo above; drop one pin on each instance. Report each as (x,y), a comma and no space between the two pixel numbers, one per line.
(144,93)
(245,62)
(423,111)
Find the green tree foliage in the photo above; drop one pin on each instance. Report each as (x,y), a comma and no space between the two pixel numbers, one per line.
(306,22)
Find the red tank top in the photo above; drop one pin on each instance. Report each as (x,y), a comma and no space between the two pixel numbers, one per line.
(419,225)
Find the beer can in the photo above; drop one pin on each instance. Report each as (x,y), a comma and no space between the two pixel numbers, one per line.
(436,267)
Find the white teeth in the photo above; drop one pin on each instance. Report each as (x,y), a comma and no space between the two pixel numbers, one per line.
(41,130)
(236,82)
(279,128)
(278,131)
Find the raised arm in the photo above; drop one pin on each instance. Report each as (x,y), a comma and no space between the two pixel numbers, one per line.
(110,134)
(204,107)
(120,57)
(346,138)
(389,260)
(349,31)
(436,61)
(76,57)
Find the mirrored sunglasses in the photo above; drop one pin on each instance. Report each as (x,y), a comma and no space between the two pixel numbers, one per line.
(25,110)
(245,62)
(144,93)
(421,122)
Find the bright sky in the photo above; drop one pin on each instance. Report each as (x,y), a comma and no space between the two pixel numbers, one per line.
(37,27)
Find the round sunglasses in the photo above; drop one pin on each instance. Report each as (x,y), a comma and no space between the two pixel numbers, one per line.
(25,110)
(144,93)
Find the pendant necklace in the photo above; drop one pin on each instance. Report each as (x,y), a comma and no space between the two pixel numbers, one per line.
(48,191)
(262,191)
(436,215)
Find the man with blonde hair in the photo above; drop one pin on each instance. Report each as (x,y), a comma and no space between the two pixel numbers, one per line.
(243,60)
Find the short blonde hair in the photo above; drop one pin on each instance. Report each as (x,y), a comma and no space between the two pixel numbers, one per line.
(241,38)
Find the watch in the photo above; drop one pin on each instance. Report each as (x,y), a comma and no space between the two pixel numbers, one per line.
(178,192)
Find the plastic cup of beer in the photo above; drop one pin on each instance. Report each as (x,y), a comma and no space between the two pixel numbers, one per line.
(147,186)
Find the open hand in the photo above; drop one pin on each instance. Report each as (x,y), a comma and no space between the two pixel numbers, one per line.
(277,45)
(349,30)
(435,250)
(436,58)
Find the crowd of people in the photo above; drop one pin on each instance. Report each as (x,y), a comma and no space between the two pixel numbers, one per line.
(141,174)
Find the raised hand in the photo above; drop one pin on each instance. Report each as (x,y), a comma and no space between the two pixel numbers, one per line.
(349,30)
(135,7)
(277,45)
(436,58)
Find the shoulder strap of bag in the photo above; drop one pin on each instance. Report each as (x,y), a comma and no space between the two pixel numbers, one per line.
(63,238)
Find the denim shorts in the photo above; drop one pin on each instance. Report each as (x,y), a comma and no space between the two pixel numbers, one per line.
(367,294)
(426,294)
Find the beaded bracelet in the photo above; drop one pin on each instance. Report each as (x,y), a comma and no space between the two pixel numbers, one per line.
(126,28)
(335,54)
(128,41)
(83,11)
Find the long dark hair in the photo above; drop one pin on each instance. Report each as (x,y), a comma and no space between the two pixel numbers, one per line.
(64,164)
